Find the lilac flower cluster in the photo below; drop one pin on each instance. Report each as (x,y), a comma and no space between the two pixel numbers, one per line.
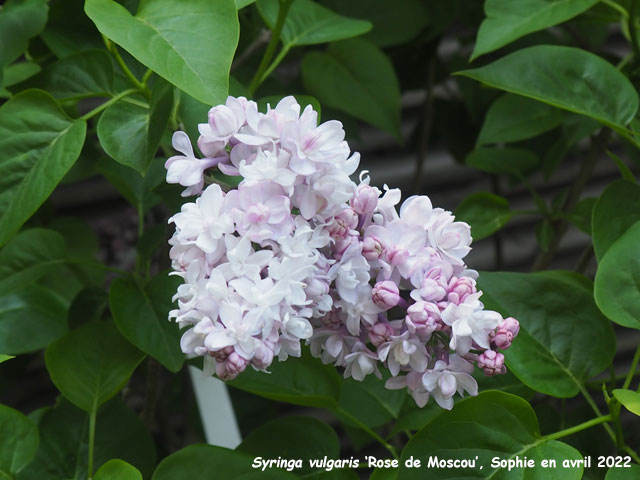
(299,252)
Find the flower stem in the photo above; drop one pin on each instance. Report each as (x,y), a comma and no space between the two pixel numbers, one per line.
(108,103)
(123,66)
(578,428)
(271,48)
(92,436)
(632,370)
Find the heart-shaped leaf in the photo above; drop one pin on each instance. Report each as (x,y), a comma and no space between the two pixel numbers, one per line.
(117,470)
(493,424)
(18,441)
(628,398)
(91,364)
(484,212)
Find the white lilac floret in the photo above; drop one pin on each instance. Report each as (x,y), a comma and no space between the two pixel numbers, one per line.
(300,253)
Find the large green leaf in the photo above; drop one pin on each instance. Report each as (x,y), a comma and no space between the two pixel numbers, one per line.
(617,209)
(355,77)
(556,323)
(19,21)
(30,319)
(484,212)
(142,317)
(617,283)
(191,48)
(493,424)
(305,438)
(542,72)
(18,441)
(29,256)
(302,381)
(91,364)
(308,23)
(38,145)
(516,162)
(394,22)
(117,470)
(508,20)
(64,433)
(131,133)
(86,74)
(512,118)
(197,462)
(628,398)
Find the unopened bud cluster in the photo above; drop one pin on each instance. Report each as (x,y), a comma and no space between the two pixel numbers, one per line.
(298,252)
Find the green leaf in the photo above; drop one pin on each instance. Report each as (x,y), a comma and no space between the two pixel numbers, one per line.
(130,133)
(598,90)
(555,324)
(512,118)
(142,317)
(243,3)
(617,283)
(196,462)
(18,441)
(574,129)
(69,31)
(544,234)
(117,470)
(370,402)
(616,473)
(628,398)
(19,72)
(192,50)
(192,112)
(493,424)
(4,358)
(88,305)
(302,438)
(357,78)
(91,364)
(582,214)
(507,21)
(30,319)
(135,188)
(19,21)
(515,162)
(308,23)
(485,212)
(617,209)
(38,146)
(86,74)
(64,431)
(625,171)
(394,23)
(29,256)
(303,381)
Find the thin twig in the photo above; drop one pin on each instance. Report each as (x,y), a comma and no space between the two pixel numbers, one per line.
(427,123)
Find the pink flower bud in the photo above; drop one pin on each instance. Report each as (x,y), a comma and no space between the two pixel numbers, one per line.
(505,333)
(372,248)
(263,356)
(379,333)
(342,244)
(343,223)
(222,121)
(423,318)
(366,199)
(232,367)
(386,294)
(460,289)
(434,285)
(316,288)
(492,363)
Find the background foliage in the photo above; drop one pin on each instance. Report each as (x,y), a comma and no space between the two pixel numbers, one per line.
(513,88)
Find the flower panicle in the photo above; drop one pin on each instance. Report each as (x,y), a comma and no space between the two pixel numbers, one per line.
(299,252)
